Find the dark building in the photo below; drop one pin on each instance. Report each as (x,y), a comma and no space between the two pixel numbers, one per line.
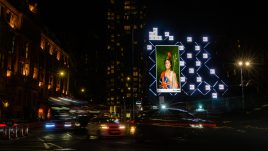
(33,65)
(125,56)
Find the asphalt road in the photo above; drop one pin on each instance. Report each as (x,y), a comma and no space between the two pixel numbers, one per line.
(227,136)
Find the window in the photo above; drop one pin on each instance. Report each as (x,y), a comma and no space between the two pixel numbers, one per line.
(35,73)
(12,19)
(27,51)
(26,69)
(0,11)
(51,49)
(42,43)
(58,55)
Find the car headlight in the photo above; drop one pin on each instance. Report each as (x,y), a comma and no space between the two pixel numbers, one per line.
(67,124)
(196,125)
(122,126)
(132,130)
(104,126)
(77,124)
(50,125)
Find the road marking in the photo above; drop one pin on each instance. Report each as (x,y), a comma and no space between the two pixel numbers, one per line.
(46,146)
(65,149)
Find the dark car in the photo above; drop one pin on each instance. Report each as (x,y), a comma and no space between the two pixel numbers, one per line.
(59,125)
(169,123)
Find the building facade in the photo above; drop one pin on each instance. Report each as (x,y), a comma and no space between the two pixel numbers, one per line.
(33,65)
(125,56)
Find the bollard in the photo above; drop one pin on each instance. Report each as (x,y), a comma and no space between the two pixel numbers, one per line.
(9,131)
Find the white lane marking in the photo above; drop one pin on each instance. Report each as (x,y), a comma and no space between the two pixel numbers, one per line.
(46,146)
(55,145)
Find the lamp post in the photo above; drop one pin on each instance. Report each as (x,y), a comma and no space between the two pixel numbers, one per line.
(242,65)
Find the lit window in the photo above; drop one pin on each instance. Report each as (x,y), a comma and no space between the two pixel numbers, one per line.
(8,73)
(26,69)
(58,55)
(35,73)
(33,7)
(126,27)
(42,44)
(12,19)
(51,49)
(27,51)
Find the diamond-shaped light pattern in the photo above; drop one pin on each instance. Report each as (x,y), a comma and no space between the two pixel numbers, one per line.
(197,77)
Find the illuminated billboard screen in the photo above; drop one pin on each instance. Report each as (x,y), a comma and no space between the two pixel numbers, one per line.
(168,69)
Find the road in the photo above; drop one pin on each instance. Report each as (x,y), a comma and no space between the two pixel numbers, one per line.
(223,137)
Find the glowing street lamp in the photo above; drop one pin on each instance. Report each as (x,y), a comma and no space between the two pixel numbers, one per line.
(62,73)
(82,90)
(243,64)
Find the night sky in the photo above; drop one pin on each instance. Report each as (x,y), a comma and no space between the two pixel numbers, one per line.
(214,17)
(85,22)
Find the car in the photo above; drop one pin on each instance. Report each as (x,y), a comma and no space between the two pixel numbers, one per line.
(59,125)
(169,123)
(105,127)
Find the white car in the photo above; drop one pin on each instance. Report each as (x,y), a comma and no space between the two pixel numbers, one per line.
(105,127)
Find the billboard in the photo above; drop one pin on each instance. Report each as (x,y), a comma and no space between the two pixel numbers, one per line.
(167,69)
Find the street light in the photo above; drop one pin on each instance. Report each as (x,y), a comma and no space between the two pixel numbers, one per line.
(243,64)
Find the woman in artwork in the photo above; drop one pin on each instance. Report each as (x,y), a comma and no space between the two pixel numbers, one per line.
(168,78)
